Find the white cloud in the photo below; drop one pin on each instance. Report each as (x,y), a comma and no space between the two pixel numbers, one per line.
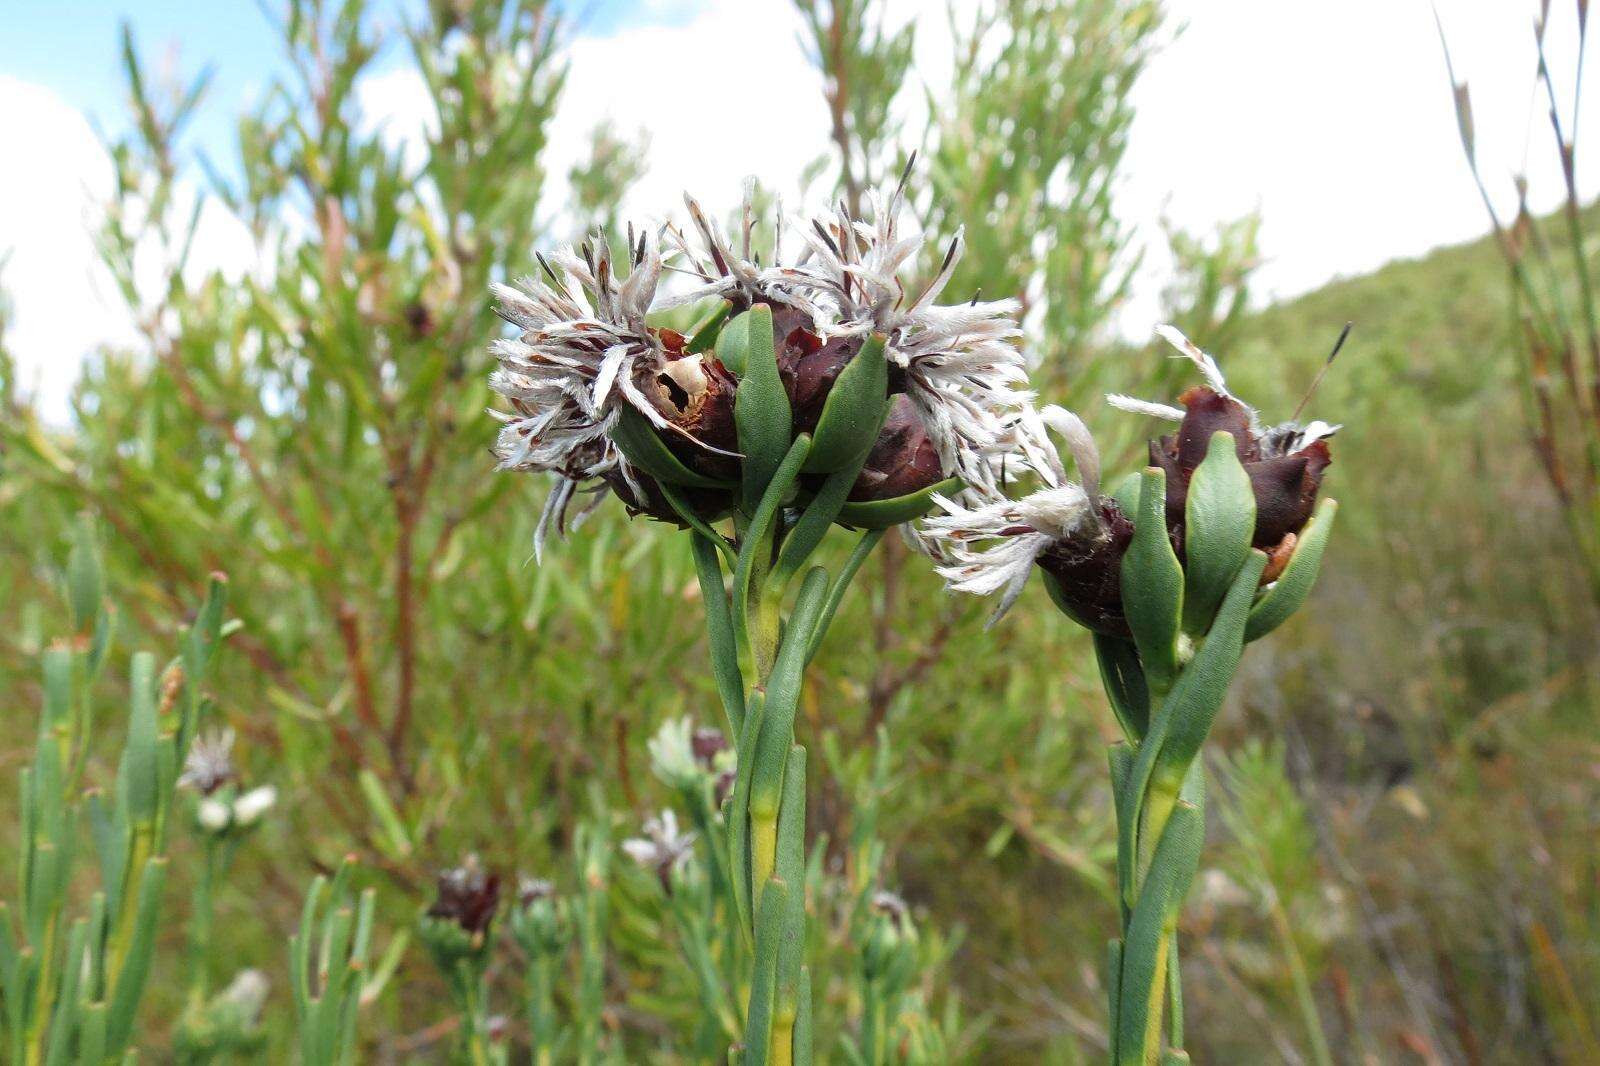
(63,305)
(727,96)
(1336,120)
(64,300)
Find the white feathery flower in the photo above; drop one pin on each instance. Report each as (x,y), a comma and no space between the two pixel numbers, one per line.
(984,542)
(585,350)
(247,994)
(672,754)
(213,815)
(209,764)
(662,847)
(1284,439)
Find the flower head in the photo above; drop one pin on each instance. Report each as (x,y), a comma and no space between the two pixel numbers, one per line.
(992,543)
(1285,462)
(222,807)
(209,764)
(663,847)
(588,365)
(467,896)
(985,542)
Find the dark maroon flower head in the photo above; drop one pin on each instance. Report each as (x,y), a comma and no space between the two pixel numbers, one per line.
(467,895)
(1087,571)
(706,745)
(695,392)
(1285,464)
(903,459)
(807,364)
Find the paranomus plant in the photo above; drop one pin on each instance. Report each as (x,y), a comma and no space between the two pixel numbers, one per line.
(1213,545)
(817,389)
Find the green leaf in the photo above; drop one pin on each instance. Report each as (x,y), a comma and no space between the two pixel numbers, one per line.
(764,973)
(854,411)
(643,448)
(140,759)
(1177,856)
(1124,681)
(1185,716)
(783,691)
(719,633)
(761,408)
(1126,492)
(733,344)
(1218,524)
(1287,594)
(739,820)
(85,577)
(881,514)
(791,870)
(130,981)
(1152,583)
(708,331)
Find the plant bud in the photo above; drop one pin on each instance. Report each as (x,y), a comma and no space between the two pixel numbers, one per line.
(706,744)
(1085,570)
(808,365)
(467,898)
(1285,471)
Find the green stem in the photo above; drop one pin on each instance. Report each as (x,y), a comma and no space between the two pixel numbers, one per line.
(1304,998)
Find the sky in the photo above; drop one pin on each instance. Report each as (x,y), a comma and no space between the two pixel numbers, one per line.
(1333,120)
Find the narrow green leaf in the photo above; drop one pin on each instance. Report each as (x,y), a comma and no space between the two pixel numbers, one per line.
(1287,594)
(764,971)
(644,449)
(761,408)
(739,807)
(804,1024)
(85,576)
(854,411)
(1200,690)
(733,344)
(841,585)
(708,330)
(129,984)
(791,870)
(1124,682)
(140,759)
(1219,521)
(783,692)
(1152,583)
(719,634)
(1177,855)
(881,514)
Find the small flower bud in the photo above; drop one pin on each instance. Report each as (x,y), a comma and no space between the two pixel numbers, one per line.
(1285,464)
(466,897)
(248,808)
(706,745)
(1086,569)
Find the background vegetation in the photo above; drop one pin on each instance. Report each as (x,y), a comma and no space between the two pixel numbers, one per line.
(1404,866)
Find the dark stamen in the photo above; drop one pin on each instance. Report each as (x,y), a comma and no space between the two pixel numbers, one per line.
(1343,333)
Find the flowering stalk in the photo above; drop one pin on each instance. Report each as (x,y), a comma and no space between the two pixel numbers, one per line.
(1212,546)
(541,925)
(456,930)
(812,392)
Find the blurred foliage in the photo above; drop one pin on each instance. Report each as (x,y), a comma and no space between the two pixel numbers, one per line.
(416,689)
